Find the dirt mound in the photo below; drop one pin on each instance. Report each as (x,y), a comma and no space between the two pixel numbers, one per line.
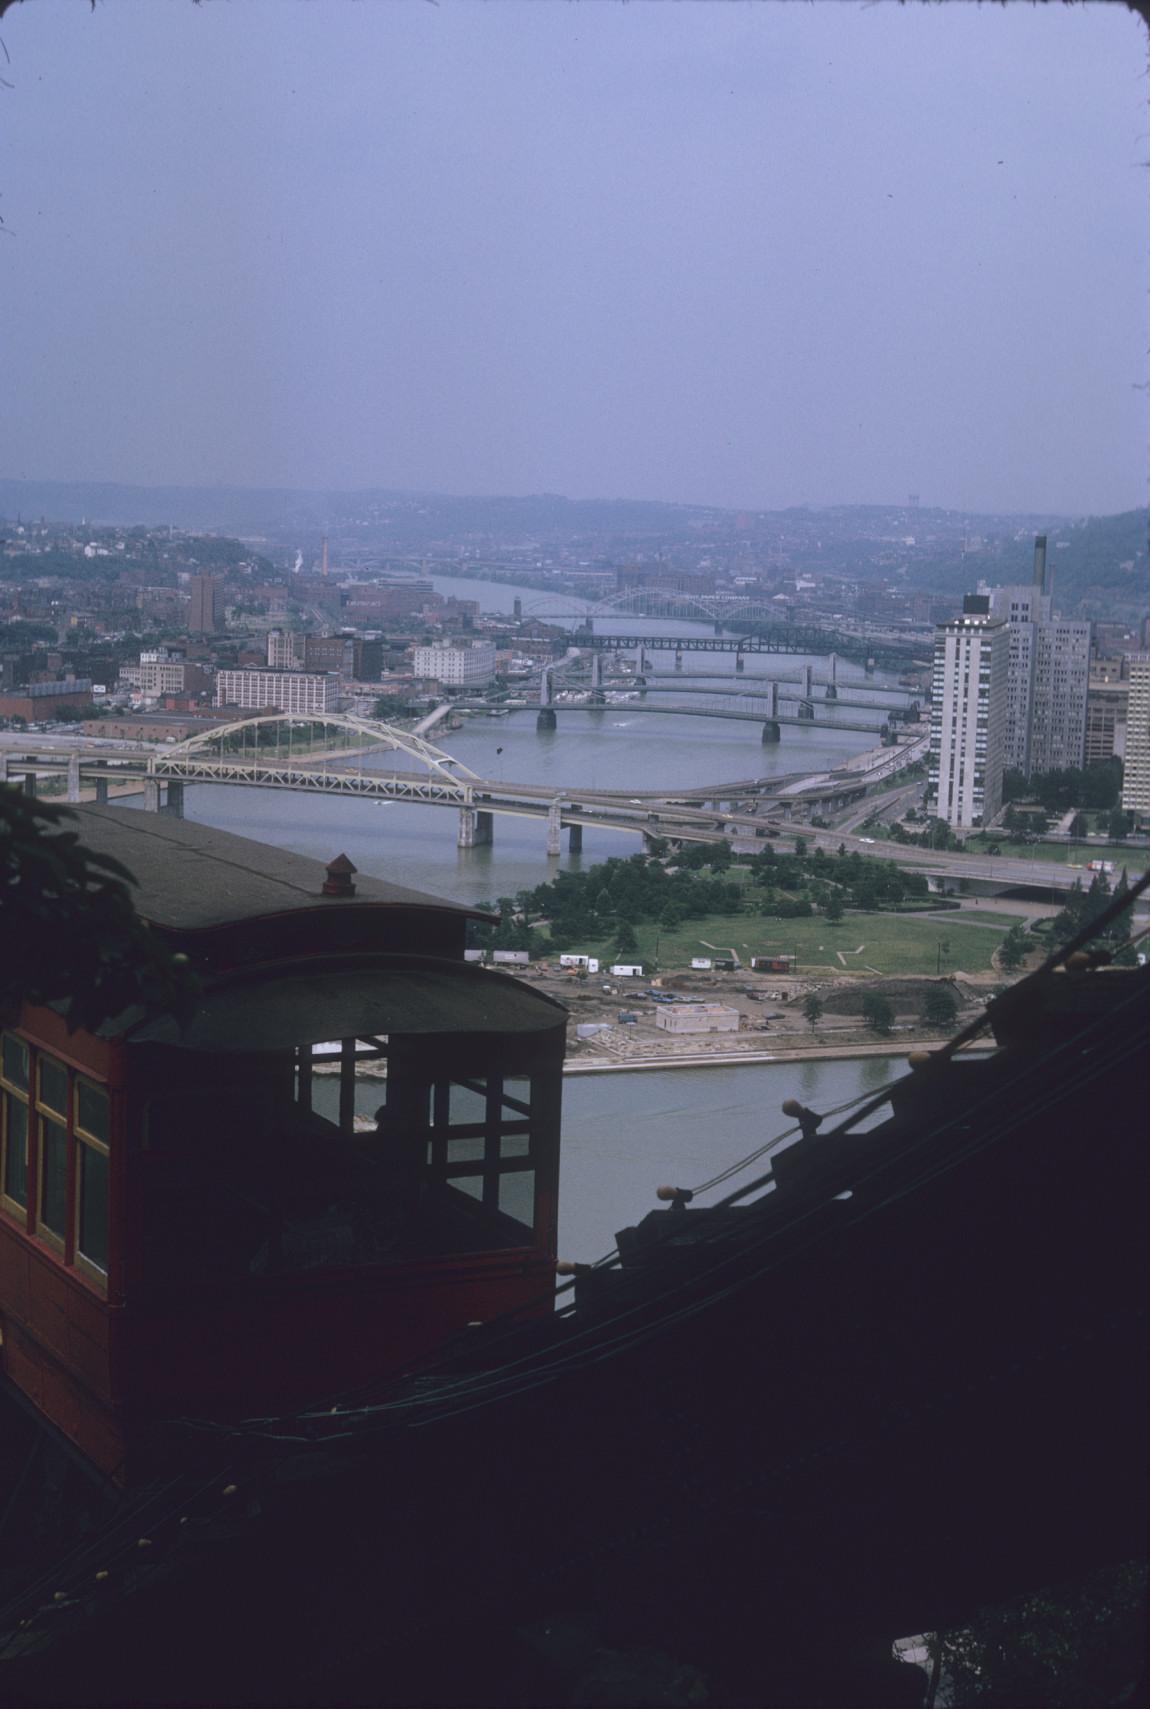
(905,996)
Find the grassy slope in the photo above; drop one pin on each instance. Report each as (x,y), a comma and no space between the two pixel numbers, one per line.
(1073,854)
(892,943)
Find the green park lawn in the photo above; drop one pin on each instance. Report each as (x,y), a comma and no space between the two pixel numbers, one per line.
(869,943)
(1073,854)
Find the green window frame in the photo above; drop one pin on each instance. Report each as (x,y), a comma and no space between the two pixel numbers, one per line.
(52,1112)
(90,1211)
(15,1125)
(58,1187)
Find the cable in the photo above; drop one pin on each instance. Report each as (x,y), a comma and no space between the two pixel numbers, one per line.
(491,1386)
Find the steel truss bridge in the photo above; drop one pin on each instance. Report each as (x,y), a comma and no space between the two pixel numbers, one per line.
(263,753)
(738,611)
(740,811)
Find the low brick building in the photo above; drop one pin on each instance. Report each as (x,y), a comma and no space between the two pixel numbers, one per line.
(39,702)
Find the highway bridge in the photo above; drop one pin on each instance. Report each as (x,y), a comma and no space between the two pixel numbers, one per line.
(742,812)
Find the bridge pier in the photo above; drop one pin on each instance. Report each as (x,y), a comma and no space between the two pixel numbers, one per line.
(3,768)
(806,710)
(597,696)
(574,839)
(30,784)
(546,719)
(151,795)
(101,792)
(771,732)
(678,659)
(72,793)
(832,686)
(475,828)
(175,798)
(555,828)
(740,662)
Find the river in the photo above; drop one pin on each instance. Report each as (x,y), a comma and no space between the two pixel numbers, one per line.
(624,1134)
(617,748)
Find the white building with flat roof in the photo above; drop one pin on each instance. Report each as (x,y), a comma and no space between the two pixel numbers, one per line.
(287,691)
(697,1018)
(456,667)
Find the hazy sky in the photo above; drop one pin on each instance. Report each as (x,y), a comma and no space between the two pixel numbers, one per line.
(747,254)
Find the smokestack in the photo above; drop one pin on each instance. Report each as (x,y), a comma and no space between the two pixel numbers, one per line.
(1040,562)
(325,556)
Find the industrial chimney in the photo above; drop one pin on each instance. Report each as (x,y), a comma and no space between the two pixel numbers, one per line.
(1040,562)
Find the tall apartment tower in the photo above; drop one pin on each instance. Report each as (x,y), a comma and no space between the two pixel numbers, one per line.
(205,615)
(1049,675)
(1136,772)
(968,715)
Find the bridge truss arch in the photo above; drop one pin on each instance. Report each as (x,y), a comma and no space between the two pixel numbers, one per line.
(353,733)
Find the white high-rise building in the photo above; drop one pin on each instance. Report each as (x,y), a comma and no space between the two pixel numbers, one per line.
(968,715)
(286,691)
(1136,772)
(456,667)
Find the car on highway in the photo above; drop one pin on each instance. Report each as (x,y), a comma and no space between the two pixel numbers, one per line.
(866,839)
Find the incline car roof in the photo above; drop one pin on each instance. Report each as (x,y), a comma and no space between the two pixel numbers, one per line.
(191,877)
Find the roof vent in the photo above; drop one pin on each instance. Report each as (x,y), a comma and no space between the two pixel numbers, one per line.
(338,880)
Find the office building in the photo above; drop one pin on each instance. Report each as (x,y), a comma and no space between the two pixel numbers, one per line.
(163,671)
(456,667)
(328,653)
(968,715)
(1048,676)
(285,648)
(1107,698)
(206,612)
(1136,773)
(286,691)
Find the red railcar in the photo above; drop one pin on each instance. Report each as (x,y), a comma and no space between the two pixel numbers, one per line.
(347,1154)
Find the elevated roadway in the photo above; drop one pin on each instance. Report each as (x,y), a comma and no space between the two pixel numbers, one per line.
(743,812)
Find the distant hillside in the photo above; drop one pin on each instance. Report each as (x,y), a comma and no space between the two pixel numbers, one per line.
(102,502)
(1101,563)
(430,515)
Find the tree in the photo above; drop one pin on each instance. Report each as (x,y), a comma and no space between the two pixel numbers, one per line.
(800,848)
(1012,949)
(1117,824)
(69,929)
(626,943)
(1069,1647)
(813,1008)
(833,909)
(877,1012)
(940,1008)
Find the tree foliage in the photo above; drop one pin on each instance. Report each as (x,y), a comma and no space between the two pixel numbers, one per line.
(1069,1648)
(68,926)
(1094,786)
(1012,949)
(878,1013)
(940,1008)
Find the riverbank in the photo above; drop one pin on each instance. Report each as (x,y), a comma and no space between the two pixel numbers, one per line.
(758,1058)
